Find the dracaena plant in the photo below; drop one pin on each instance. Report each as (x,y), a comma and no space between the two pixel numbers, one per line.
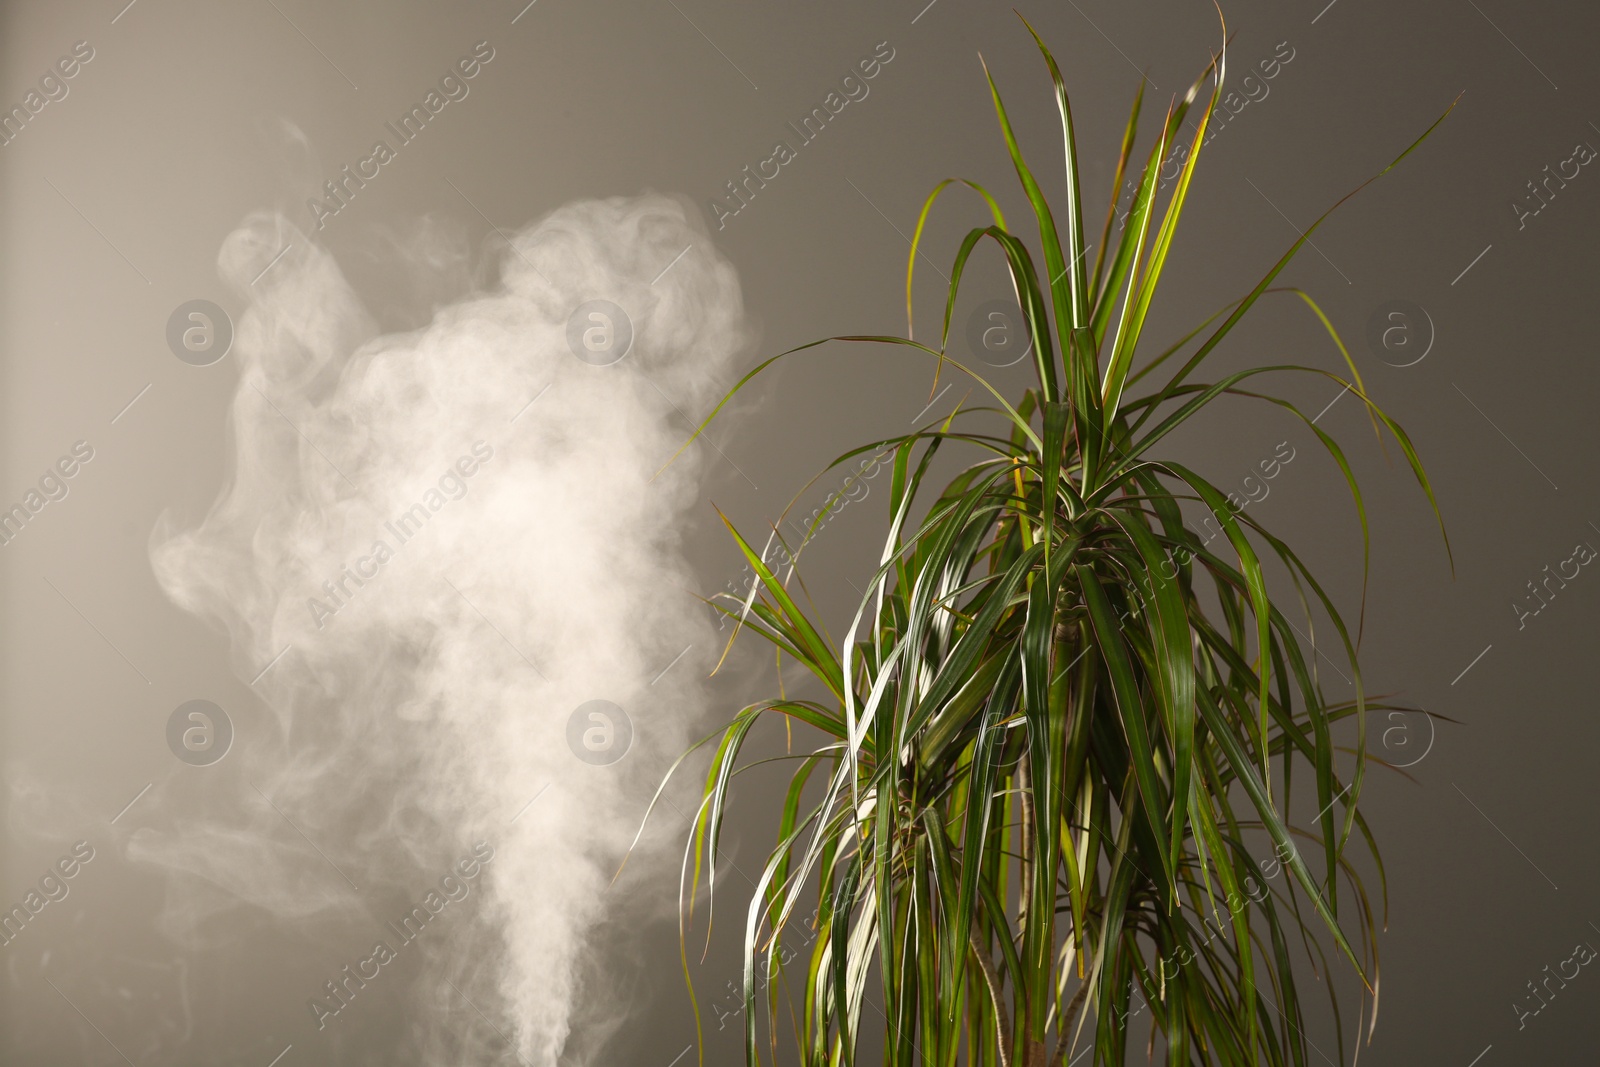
(1059,713)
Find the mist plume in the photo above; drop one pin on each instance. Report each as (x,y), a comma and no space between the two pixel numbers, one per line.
(423,700)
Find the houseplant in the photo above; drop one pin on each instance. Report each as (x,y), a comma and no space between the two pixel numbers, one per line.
(1060,712)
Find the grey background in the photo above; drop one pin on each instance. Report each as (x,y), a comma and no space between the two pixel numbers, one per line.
(115,200)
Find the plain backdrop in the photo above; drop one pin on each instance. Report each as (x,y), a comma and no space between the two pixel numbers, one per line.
(114,200)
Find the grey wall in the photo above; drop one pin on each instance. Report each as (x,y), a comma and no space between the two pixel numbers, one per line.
(117,196)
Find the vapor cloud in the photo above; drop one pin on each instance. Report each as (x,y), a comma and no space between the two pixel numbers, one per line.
(425,712)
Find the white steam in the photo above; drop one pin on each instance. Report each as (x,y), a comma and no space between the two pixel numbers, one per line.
(425,695)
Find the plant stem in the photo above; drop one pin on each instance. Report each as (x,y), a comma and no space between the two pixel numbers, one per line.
(992,980)
(1064,1028)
